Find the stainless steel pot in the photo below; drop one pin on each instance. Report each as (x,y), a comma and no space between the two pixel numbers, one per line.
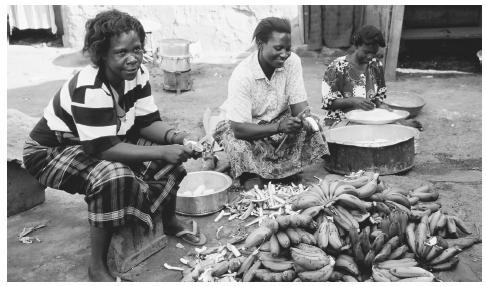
(208,203)
(385,149)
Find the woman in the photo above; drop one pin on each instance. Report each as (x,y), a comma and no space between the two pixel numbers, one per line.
(357,80)
(99,136)
(265,108)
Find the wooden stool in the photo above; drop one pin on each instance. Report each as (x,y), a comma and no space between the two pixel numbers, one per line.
(132,244)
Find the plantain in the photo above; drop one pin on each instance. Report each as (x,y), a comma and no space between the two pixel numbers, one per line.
(394,242)
(277,266)
(345,189)
(465,242)
(358,252)
(247,263)
(293,235)
(283,239)
(347,263)
(410,271)
(433,219)
(321,275)
(394,229)
(418,279)
(378,276)
(451,227)
(311,248)
(442,221)
(357,182)
(433,253)
(322,234)
(384,253)
(446,266)
(369,258)
(413,200)
(398,198)
(312,211)
(378,243)
(348,216)
(365,240)
(309,260)
(352,202)
(426,197)
(420,236)
(445,255)
(423,206)
(274,246)
(349,278)
(336,276)
(369,188)
(396,206)
(250,273)
(461,225)
(306,237)
(398,252)
(333,237)
(422,189)
(389,264)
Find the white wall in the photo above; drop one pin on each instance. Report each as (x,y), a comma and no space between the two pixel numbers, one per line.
(221,30)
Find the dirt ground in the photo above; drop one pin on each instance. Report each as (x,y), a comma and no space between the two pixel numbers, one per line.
(449,156)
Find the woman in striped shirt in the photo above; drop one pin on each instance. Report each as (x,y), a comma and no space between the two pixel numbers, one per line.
(101,135)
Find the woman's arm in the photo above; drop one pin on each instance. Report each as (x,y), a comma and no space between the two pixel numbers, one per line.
(352,103)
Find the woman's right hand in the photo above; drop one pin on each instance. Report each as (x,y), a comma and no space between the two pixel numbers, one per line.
(176,154)
(361,103)
(290,125)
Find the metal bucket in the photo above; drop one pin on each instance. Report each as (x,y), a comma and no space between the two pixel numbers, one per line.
(385,149)
(208,203)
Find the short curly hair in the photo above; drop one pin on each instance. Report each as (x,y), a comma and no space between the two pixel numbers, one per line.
(369,35)
(268,25)
(105,25)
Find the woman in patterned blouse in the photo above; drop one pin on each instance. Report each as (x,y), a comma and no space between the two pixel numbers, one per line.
(266,97)
(357,80)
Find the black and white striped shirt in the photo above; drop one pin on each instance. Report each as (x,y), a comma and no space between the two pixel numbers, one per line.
(83,110)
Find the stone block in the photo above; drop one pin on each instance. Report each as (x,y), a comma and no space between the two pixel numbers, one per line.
(23,191)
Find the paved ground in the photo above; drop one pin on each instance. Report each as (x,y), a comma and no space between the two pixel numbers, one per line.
(449,156)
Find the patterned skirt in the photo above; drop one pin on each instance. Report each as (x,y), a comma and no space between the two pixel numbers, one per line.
(116,193)
(259,157)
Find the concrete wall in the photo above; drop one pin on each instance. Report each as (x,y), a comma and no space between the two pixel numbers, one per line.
(220,30)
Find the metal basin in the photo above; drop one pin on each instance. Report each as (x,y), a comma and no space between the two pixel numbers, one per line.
(405,101)
(213,198)
(385,149)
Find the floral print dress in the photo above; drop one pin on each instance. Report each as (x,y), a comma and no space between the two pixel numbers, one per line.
(341,81)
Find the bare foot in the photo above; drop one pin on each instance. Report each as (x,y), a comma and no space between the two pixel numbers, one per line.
(100,274)
(173,226)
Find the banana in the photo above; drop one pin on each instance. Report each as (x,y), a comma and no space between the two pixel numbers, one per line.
(369,188)
(418,214)
(426,197)
(384,253)
(394,242)
(378,276)
(375,234)
(365,240)
(352,202)
(321,275)
(422,189)
(348,216)
(308,260)
(387,274)
(413,200)
(357,182)
(324,189)
(434,252)
(274,246)
(333,237)
(349,278)
(404,262)
(358,253)
(398,252)
(432,206)
(461,225)
(283,239)
(433,219)
(306,237)
(378,243)
(408,272)
(451,227)
(445,266)
(342,222)
(312,211)
(347,263)
(250,273)
(293,235)
(465,242)
(333,186)
(420,236)
(333,177)
(359,216)
(345,189)
(336,276)
(394,229)
(310,248)
(445,255)
(322,234)
(277,266)
(442,222)
(396,206)
(369,258)
(396,190)
(418,279)
(398,198)
(377,197)
(305,200)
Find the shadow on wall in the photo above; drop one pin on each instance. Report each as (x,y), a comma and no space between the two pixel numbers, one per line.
(74,59)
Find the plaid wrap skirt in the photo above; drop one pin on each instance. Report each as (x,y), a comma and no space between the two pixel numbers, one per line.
(260,156)
(116,193)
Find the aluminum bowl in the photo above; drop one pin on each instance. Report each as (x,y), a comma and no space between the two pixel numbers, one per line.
(208,203)
(405,101)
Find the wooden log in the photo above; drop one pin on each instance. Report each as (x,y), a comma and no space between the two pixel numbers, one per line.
(132,244)
(393,42)
(442,33)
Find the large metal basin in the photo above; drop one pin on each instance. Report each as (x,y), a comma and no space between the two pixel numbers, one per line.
(385,149)
(210,202)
